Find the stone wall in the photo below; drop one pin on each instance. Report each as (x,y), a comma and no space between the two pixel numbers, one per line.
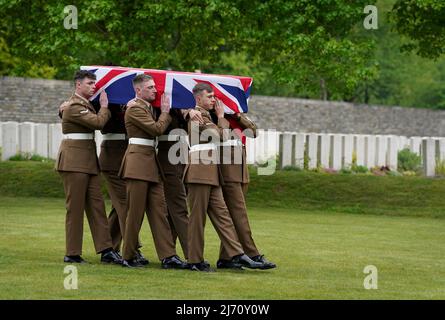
(36,100)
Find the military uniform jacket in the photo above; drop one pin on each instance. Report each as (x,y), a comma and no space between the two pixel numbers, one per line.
(112,151)
(80,155)
(140,162)
(202,172)
(233,158)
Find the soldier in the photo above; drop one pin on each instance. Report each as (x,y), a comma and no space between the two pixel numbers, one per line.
(236,179)
(113,148)
(175,193)
(140,168)
(77,164)
(203,180)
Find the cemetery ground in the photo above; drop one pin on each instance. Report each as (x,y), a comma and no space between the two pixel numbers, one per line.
(322,230)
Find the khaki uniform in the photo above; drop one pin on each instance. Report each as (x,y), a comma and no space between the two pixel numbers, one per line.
(111,153)
(205,193)
(145,191)
(236,178)
(175,193)
(77,164)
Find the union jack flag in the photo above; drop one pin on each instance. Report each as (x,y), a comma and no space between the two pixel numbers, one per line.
(233,91)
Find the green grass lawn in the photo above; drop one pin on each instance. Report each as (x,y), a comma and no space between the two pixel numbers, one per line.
(320,254)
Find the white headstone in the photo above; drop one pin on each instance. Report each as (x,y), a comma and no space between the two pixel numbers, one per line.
(415,145)
(55,138)
(359,148)
(300,139)
(442,149)
(325,148)
(429,156)
(250,150)
(382,148)
(370,151)
(1,134)
(41,139)
(260,146)
(348,147)
(10,139)
(312,141)
(286,149)
(393,149)
(336,151)
(26,138)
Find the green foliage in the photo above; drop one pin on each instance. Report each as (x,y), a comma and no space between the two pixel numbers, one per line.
(408,161)
(291,168)
(422,22)
(440,167)
(359,169)
(26,156)
(303,44)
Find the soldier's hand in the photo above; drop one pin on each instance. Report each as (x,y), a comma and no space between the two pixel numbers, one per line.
(219,109)
(165,103)
(196,116)
(131,103)
(103,99)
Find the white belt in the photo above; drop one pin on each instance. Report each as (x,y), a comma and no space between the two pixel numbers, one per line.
(78,136)
(204,146)
(169,137)
(114,136)
(144,142)
(231,143)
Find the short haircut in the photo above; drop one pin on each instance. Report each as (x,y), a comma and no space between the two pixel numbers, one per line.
(200,87)
(141,78)
(82,74)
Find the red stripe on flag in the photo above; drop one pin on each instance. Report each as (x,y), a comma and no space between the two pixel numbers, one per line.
(226,100)
(159,79)
(110,75)
(237,128)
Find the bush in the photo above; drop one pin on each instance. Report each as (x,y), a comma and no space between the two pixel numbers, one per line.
(26,156)
(291,168)
(408,161)
(359,169)
(440,167)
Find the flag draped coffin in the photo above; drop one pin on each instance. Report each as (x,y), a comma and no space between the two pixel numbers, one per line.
(233,91)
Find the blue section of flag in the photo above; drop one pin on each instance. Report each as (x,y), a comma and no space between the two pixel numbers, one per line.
(239,95)
(120,91)
(182,98)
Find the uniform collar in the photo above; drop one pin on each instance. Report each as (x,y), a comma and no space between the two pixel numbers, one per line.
(82,98)
(203,111)
(144,102)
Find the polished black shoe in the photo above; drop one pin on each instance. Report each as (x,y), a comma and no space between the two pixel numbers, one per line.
(73,259)
(132,263)
(266,264)
(173,262)
(119,255)
(111,257)
(141,258)
(228,264)
(245,261)
(201,266)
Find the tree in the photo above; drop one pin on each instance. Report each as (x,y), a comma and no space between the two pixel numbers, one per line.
(303,44)
(422,23)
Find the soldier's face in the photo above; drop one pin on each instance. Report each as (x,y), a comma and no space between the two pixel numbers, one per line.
(86,87)
(206,100)
(147,90)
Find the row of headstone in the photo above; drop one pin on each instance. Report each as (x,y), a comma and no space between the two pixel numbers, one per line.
(30,138)
(337,151)
(334,151)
